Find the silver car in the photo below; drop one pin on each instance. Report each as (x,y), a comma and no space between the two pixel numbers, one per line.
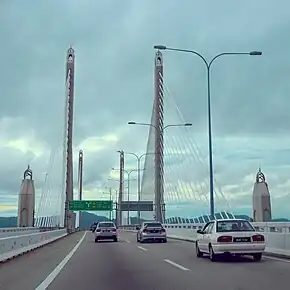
(151,231)
(106,231)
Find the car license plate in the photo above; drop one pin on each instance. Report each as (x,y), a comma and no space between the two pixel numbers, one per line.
(241,240)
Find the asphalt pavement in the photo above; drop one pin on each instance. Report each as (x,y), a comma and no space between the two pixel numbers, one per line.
(130,265)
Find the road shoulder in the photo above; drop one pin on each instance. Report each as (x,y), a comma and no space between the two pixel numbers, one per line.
(26,272)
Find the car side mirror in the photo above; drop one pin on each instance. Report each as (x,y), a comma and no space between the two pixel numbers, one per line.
(200,232)
(137,228)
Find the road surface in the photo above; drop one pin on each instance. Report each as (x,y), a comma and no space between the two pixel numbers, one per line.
(128,265)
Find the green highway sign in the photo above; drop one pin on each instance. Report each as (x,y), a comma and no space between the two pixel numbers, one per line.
(90,205)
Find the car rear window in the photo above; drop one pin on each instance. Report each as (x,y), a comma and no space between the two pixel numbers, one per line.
(153,225)
(234,226)
(106,225)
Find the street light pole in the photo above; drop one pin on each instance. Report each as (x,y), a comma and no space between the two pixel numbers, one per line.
(111,210)
(114,199)
(208,65)
(128,199)
(138,157)
(159,180)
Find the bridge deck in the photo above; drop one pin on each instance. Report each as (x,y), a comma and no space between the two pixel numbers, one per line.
(128,265)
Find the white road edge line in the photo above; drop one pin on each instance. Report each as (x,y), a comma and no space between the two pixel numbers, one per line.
(141,248)
(49,279)
(176,265)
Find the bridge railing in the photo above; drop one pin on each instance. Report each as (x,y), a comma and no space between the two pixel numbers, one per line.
(275,227)
(277,235)
(19,229)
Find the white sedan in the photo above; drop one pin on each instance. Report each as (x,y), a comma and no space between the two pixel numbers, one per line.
(231,236)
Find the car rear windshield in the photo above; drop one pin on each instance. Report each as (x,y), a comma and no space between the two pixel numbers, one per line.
(106,225)
(234,226)
(153,225)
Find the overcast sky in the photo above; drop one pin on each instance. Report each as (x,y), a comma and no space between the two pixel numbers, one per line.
(113,41)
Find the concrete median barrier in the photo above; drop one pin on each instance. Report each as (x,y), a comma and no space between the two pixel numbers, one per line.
(11,247)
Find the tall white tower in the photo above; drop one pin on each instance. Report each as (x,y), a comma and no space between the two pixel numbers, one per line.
(69,220)
(261,199)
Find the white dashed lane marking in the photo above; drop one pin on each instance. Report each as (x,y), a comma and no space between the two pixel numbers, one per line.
(176,265)
(141,248)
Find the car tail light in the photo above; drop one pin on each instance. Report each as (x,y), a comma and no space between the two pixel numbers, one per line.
(114,230)
(162,230)
(145,231)
(225,239)
(98,230)
(258,238)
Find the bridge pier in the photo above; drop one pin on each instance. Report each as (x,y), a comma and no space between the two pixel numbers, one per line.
(261,199)
(26,201)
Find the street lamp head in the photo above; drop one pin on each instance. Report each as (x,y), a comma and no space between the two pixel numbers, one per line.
(187,124)
(256,53)
(160,47)
(131,123)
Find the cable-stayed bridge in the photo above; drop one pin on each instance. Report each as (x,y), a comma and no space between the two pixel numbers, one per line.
(176,179)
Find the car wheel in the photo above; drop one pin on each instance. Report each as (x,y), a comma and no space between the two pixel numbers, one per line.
(96,240)
(165,241)
(257,257)
(212,255)
(138,240)
(115,239)
(197,250)
(141,241)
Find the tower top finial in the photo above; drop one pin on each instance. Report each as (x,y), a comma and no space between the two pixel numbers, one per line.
(260,177)
(28,173)
(158,58)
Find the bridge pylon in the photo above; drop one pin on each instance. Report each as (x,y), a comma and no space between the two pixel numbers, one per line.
(26,200)
(261,199)
(69,219)
(159,143)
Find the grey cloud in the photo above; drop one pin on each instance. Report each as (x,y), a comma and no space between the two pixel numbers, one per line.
(13,164)
(114,77)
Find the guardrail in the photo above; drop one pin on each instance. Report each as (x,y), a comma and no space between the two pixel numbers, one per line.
(11,247)
(277,235)
(282,227)
(24,229)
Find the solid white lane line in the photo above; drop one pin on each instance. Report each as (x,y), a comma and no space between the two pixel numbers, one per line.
(49,279)
(176,265)
(141,248)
